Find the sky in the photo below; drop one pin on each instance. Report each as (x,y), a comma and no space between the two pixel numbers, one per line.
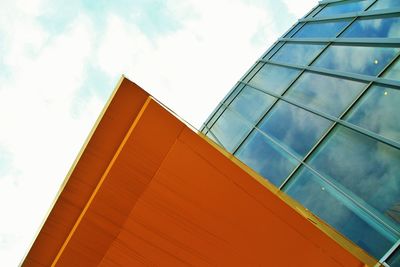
(60,60)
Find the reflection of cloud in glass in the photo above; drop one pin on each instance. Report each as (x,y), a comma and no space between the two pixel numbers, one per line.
(377,111)
(382,4)
(251,103)
(266,158)
(342,8)
(274,78)
(296,128)
(366,167)
(321,29)
(230,129)
(326,203)
(388,27)
(393,72)
(300,54)
(324,93)
(358,59)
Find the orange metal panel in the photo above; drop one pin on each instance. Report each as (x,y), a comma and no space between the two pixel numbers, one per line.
(164,196)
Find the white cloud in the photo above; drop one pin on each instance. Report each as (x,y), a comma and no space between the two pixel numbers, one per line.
(299,8)
(189,70)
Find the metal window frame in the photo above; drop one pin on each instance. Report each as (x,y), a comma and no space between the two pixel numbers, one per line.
(369,80)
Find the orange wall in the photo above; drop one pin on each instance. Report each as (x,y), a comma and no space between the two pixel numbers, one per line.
(147,190)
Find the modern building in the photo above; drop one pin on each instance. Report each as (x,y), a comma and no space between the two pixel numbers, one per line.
(147,190)
(318,117)
(308,173)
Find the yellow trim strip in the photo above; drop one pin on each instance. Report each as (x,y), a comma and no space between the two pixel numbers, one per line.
(72,168)
(104,176)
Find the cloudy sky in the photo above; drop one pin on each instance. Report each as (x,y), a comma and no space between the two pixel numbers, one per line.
(60,61)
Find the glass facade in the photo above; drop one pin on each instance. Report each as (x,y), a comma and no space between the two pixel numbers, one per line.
(318,116)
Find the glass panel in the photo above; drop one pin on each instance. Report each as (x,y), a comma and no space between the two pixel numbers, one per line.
(335,209)
(322,29)
(393,72)
(366,167)
(358,59)
(297,129)
(273,50)
(343,8)
(252,103)
(386,27)
(273,78)
(378,111)
(394,260)
(230,129)
(266,158)
(315,11)
(255,69)
(215,116)
(324,93)
(292,31)
(382,4)
(296,53)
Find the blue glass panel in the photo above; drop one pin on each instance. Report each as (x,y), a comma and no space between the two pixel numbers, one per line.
(273,78)
(364,166)
(315,11)
(294,30)
(266,158)
(378,111)
(383,4)
(343,8)
(393,72)
(394,260)
(335,209)
(255,69)
(297,129)
(297,53)
(230,129)
(322,29)
(386,27)
(324,93)
(252,103)
(273,50)
(358,59)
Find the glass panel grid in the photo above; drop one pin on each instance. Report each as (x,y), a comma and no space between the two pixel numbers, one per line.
(374,27)
(344,7)
(349,67)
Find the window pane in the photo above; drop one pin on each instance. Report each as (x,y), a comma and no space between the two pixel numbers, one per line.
(215,116)
(364,166)
(292,31)
(255,69)
(386,27)
(301,54)
(315,11)
(273,50)
(273,78)
(358,59)
(297,129)
(394,260)
(393,72)
(378,111)
(382,4)
(230,129)
(322,29)
(324,93)
(251,103)
(335,209)
(266,158)
(343,8)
